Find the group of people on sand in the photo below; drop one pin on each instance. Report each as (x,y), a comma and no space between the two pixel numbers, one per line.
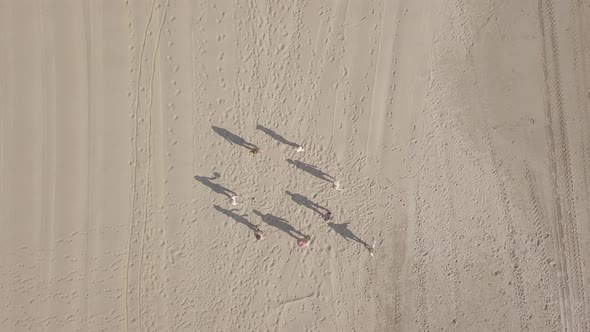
(305,240)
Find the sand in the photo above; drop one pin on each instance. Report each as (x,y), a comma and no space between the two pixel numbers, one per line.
(457,129)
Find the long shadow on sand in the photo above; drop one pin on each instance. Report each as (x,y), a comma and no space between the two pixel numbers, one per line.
(233,138)
(214,186)
(280,223)
(306,202)
(342,230)
(237,217)
(311,170)
(276,136)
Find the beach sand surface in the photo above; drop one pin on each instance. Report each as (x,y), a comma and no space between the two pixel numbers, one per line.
(457,129)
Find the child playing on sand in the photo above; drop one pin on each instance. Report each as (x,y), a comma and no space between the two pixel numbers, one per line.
(259,234)
(256,150)
(304,242)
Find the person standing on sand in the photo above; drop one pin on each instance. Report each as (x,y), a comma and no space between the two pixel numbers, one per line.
(336,185)
(299,148)
(234,200)
(372,249)
(328,216)
(304,242)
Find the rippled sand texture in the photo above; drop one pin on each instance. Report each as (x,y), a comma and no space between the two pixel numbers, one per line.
(457,129)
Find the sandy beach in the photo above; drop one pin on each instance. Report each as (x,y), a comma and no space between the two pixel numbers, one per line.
(457,132)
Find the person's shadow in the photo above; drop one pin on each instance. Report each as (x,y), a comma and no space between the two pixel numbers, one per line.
(280,223)
(232,138)
(237,217)
(311,170)
(306,202)
(342,230)
(276,136)
(214,186)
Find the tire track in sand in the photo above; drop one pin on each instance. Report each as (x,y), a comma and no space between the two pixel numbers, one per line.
(580,51)
(514,260)
(379,91)
(565,216)
(582,69)
(446,224)
(135,159)
(542,231)
(522,307)
(420,253)
(149,158)
(420,260)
